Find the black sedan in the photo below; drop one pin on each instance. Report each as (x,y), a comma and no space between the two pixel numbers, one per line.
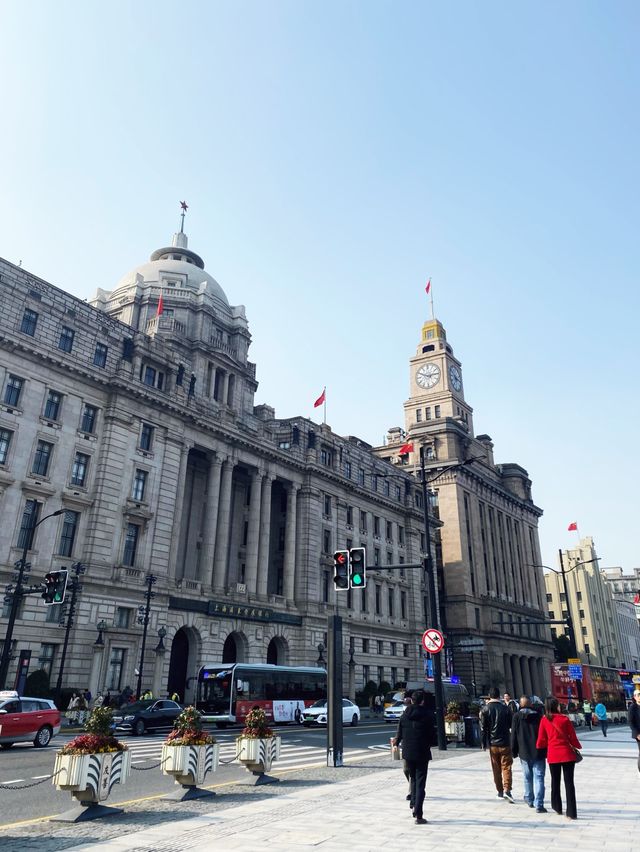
(144,716)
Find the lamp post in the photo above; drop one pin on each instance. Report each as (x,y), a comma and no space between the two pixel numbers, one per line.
(78,569)
(160,647)
(143,618)
(18,591)
(320,661)
(101,626)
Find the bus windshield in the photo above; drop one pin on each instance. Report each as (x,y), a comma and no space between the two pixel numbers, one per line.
(214,690)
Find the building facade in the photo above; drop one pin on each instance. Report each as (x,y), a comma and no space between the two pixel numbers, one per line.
(135,414)
(491,586)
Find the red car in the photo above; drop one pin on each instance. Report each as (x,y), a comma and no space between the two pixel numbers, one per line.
(27,720)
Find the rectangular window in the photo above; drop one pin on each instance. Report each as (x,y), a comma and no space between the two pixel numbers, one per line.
(427,413)
(376,555)
(54,614)
(52,405)
(584,631)
(405,650)
(380,674)
(149,376)
(365,646)
(380,644)
(100,355)
(325,587)
(552,614)
(361,476)
(549,598)
(13,390)
(123,617)
(374,482)
(400,534)
(69,530)
(394,676)
(29,322)
(406,674)
(389,557)
(386,488)
(392,649)
(349,516)
(79,469)
(418,415)
(116,666)
(66,339)
(130,545)
(398,493)
(139,484)
(376,525)
(363,521)
(389,531)
(326,457)
(365,674)
(579,595)
(42,458)
(5,442)
(347,470)
(436,412)
(88,419)
(30,517)
(146,437)
(46,656)
(403,606)
(326,541)
(327,505)
(378,600)
(391,598)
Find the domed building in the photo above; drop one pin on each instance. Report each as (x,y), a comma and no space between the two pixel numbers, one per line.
(128,426)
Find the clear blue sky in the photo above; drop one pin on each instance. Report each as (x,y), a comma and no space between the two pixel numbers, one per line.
(336,154)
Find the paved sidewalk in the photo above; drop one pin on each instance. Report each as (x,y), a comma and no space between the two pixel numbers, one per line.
(368,811)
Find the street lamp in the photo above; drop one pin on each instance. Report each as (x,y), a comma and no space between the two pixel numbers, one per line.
(18,591)
(101,626)
(160,647)
(143,618)
(320,661)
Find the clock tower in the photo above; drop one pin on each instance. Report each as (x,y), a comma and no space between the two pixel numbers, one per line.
(437,396)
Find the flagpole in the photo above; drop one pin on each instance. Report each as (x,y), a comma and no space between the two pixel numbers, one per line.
(324,407)
(431,298)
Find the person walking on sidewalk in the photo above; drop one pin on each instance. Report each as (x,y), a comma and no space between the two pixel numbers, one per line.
(524,736)
(558,736)
(601,715)
(495,724)
(634,721)
(416,734)
(587,709)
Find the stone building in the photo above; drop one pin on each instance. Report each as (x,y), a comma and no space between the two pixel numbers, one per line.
(491,586)
(135,414)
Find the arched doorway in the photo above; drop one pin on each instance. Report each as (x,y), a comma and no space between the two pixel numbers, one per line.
(183,663)
(278,652)
(235,648)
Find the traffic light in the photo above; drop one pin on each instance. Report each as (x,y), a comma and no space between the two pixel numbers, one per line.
(55,586)
(341,570)
(357,568)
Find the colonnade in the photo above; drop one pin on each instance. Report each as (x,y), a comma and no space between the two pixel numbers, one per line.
(524,675)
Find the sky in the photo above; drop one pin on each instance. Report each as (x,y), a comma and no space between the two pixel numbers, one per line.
(334,156)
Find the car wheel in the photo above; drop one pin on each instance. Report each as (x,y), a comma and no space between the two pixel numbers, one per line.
(43,737)
(6,745)
(354,720)
(139,728)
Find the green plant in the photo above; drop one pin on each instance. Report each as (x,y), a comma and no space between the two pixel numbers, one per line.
(98,738)
(453,713)
(256,727)
(188,730)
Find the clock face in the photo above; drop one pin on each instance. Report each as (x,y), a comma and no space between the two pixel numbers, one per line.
(428,375)
(455,378)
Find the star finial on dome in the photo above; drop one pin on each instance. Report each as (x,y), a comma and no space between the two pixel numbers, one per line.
(184,207)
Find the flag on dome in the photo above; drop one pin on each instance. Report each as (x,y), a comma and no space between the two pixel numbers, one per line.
(405,449)
(428,287)
(573,526)
(160,306)
(321,398)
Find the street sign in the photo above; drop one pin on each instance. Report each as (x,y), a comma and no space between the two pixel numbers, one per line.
(575,671)
(432,641)
(574,661)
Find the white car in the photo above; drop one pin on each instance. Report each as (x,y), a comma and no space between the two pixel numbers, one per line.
(317,713)
(393,713)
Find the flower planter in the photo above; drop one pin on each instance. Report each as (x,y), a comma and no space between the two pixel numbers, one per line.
(189,765)
(258,755)
(454,731)
(90,778)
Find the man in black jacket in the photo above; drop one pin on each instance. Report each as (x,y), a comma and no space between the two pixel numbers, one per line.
(495,724)
(524,736)
(416,734)
(634,721)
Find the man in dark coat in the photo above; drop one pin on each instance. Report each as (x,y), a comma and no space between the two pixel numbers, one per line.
(524,735)
(416,734)
(495,724)
(634,721)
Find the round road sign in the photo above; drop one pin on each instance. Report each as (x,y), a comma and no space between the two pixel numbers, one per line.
(432,641)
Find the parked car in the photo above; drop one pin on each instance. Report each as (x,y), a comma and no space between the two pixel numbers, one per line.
(142,716)
(394,711)
(317,713)
(27,720)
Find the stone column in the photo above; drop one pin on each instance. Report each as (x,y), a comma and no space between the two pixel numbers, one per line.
(290,544)
(158,666)
(176,534)
(224,518)
(253,533)
(95,677)
(517,678)
(265,534)
(210,522)
(508,679)
(535,688)
(225,387)
(526,682)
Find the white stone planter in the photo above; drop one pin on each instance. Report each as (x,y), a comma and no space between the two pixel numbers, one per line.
(189,766)
(258,755)
(454,731)
(90,778)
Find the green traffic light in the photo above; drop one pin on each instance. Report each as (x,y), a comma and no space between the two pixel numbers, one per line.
(356,579)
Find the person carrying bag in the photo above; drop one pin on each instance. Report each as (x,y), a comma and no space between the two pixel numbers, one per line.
(558,736)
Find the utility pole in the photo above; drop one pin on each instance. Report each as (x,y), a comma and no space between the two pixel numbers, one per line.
(570,627)
(67,620)
(143,618)
(335,746)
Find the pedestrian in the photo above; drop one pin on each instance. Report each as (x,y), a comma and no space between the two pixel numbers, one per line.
(87,696)
(601,715)
(524,736)
(495,724)
(377,704)
(99,700)
(558,736)
(82,707)
(416,734)
(634,720)
(511,703)
(175,697)
(72,708)
(107,699)
(587,710)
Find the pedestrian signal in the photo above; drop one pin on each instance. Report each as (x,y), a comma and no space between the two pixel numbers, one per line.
(55,587)
(341,570)
(357,568)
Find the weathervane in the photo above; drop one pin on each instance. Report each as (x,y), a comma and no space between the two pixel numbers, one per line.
(184,207)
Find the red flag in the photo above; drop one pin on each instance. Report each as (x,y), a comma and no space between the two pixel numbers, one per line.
(405,449)
(573,526)
(428,287)
(321,398)
(160,306)
(636,599)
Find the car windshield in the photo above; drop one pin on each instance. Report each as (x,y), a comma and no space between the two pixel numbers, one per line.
(321,703)
(137,706)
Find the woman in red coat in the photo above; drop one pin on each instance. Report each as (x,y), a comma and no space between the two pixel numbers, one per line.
(558,736)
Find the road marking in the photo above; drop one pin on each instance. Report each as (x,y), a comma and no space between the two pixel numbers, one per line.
(15,781)
(38,777)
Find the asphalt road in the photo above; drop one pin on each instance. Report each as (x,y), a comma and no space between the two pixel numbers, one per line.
(301,748)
